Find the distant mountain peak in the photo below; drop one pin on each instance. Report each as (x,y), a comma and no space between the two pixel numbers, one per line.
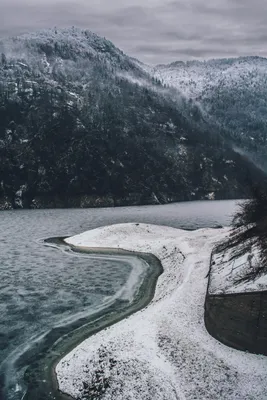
(77,41)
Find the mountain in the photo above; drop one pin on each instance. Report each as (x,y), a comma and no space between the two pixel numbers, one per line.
(232,93)
(82,124)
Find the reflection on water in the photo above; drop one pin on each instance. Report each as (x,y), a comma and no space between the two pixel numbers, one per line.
(40,286)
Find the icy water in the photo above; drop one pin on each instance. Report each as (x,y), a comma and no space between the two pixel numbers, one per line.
(42,287)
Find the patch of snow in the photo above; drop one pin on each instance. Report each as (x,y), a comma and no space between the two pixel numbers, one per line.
(18,196)
(170,124)
(211,196)
(29,91)
(13,87)
(22,64)
(182,150)
(162,352)
(31,82)
(72,94)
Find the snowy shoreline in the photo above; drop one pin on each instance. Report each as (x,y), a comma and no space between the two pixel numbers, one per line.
(164,350)
(133,296)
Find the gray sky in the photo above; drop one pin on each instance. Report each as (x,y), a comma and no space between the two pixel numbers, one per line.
(154,31)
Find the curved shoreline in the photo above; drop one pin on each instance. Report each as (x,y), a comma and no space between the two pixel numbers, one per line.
(40,377)
(164,351)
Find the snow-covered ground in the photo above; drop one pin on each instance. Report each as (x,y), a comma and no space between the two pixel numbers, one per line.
(162,352)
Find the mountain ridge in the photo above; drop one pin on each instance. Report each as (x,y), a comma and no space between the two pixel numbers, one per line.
(212,60)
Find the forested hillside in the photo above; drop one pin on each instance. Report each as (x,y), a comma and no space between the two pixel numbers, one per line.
(82,124)
(231,93)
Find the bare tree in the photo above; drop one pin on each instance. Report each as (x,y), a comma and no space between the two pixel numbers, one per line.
(250,222)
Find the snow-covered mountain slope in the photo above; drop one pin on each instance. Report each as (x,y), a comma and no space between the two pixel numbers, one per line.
(196,78)
(231,93)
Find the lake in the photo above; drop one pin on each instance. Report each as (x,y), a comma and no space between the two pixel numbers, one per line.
(42,287)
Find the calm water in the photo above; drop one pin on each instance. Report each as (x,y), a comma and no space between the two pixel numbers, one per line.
(41,287)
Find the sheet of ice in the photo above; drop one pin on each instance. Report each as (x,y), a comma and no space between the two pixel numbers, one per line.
(162,352)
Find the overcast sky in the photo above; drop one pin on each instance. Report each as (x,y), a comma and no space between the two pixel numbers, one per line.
(154,31)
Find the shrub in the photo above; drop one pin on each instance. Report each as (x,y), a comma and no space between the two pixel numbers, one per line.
(250,222)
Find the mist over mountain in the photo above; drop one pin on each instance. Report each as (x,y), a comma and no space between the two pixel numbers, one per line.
(82,124)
